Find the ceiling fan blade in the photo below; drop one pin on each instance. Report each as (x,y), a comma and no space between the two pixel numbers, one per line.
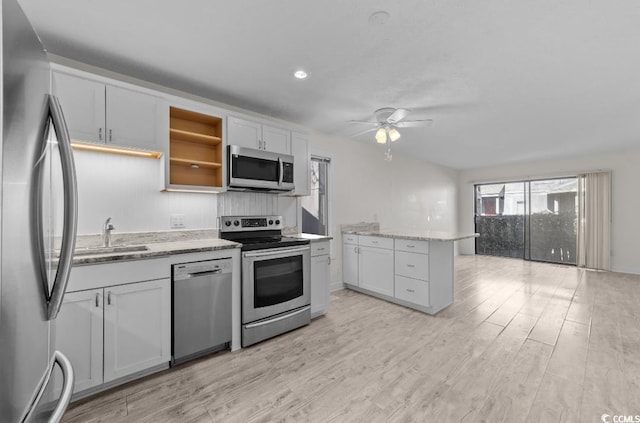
(364,132)
(441,107)
(366,122)
(414,123)
(398,115)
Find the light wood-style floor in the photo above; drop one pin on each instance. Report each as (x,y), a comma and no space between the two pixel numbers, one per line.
(522,342)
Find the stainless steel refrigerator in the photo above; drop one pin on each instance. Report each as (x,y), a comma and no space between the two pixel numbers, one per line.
(38,228)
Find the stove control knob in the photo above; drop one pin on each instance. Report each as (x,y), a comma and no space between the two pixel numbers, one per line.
(236,223)
(227,223)
(271,222)
(277,222)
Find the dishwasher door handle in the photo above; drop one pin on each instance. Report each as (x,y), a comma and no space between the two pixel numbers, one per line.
(204,273)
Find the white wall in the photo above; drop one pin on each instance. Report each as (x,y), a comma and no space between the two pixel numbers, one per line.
(128,189)
(401,194)
(625,167)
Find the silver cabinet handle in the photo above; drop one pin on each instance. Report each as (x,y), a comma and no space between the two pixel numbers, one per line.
(410,290)
(320,249)
(99,134)
(110,135)
(411,246)
(97,300)
(264,145)
(374,242)
(411,265)
(329,260)
(109,298)
(70,201)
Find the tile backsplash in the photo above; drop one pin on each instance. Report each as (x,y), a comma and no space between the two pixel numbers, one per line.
(247,204)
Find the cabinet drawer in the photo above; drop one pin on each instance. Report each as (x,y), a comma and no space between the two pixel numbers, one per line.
(117,273)
(412,290)
(412,265)
(376,241)
(319,248)
(421,247)
(350,239)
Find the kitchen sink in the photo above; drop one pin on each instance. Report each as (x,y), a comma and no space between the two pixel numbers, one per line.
(109,250)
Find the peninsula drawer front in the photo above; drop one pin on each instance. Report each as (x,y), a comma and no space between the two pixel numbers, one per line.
(350,239)
(412,265)
(319,248)
(376,242)
(421,247)
(412,290)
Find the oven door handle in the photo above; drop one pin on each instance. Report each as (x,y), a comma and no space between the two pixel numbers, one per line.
(277,319)
(277,252)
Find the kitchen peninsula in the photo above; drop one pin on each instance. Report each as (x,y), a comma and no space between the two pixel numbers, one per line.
(410,268)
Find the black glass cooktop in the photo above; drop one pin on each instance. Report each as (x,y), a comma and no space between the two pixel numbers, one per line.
(264,242)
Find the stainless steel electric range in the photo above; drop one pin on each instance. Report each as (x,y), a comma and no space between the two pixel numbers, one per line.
(276,293)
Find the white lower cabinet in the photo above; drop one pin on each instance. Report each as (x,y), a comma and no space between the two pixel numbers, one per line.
(79,335)
(112,332)
(412,290)
(320,262)
(350,263)
(375,270)
(137,327)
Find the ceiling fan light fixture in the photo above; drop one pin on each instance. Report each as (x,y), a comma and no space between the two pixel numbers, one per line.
(381,135)
(300,74)
(394,135)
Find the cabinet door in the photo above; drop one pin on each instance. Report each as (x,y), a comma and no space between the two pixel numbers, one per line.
(244,133)
(137,327)
(83,104)
(319,285)
(276,140)
(375,269)
(78,335)
(133,118)
(300,152)
(350,264)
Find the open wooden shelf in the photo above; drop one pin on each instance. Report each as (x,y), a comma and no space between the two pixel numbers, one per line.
(189,162)
(195,139)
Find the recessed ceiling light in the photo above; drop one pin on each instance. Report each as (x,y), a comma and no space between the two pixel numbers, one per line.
(300,74)
(378,18)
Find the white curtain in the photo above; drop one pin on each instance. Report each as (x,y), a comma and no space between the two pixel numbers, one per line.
(594,220)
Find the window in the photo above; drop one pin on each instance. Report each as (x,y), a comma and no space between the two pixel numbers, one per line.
(315,207)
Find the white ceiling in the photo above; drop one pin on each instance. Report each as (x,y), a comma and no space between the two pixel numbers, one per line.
(517,80)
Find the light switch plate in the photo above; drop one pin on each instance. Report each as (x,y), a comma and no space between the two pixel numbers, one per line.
(177,221)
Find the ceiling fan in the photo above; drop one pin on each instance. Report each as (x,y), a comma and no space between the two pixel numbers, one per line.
(388,120)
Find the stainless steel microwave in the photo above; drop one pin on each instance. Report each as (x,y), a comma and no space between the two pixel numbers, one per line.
(251,169)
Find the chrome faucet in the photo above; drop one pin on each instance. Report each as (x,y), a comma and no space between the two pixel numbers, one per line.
(106,233)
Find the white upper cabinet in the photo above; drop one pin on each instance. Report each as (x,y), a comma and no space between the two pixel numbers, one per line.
(277,140)
(300,152)
(83,104)
(100,113)
(133,119)
(250,134)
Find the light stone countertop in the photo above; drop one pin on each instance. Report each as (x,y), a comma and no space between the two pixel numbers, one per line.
(314,237)
(417,235)
(163,243)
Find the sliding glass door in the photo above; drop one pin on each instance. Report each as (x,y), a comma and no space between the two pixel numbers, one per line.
(533,220)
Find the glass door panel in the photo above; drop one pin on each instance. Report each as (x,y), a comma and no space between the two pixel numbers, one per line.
(553,220)
(500,212)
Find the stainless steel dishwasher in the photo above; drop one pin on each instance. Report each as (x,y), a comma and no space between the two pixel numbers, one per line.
(201,308)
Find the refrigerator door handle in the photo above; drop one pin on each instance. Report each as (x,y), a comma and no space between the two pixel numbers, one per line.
(67,389)
(70,209)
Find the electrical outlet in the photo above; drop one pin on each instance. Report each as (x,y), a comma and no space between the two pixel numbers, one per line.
(177,221)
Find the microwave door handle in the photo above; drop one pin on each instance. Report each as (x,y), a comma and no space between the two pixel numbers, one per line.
(280,171)
(70,208)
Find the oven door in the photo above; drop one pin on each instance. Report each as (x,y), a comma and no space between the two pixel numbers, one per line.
(274,281)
